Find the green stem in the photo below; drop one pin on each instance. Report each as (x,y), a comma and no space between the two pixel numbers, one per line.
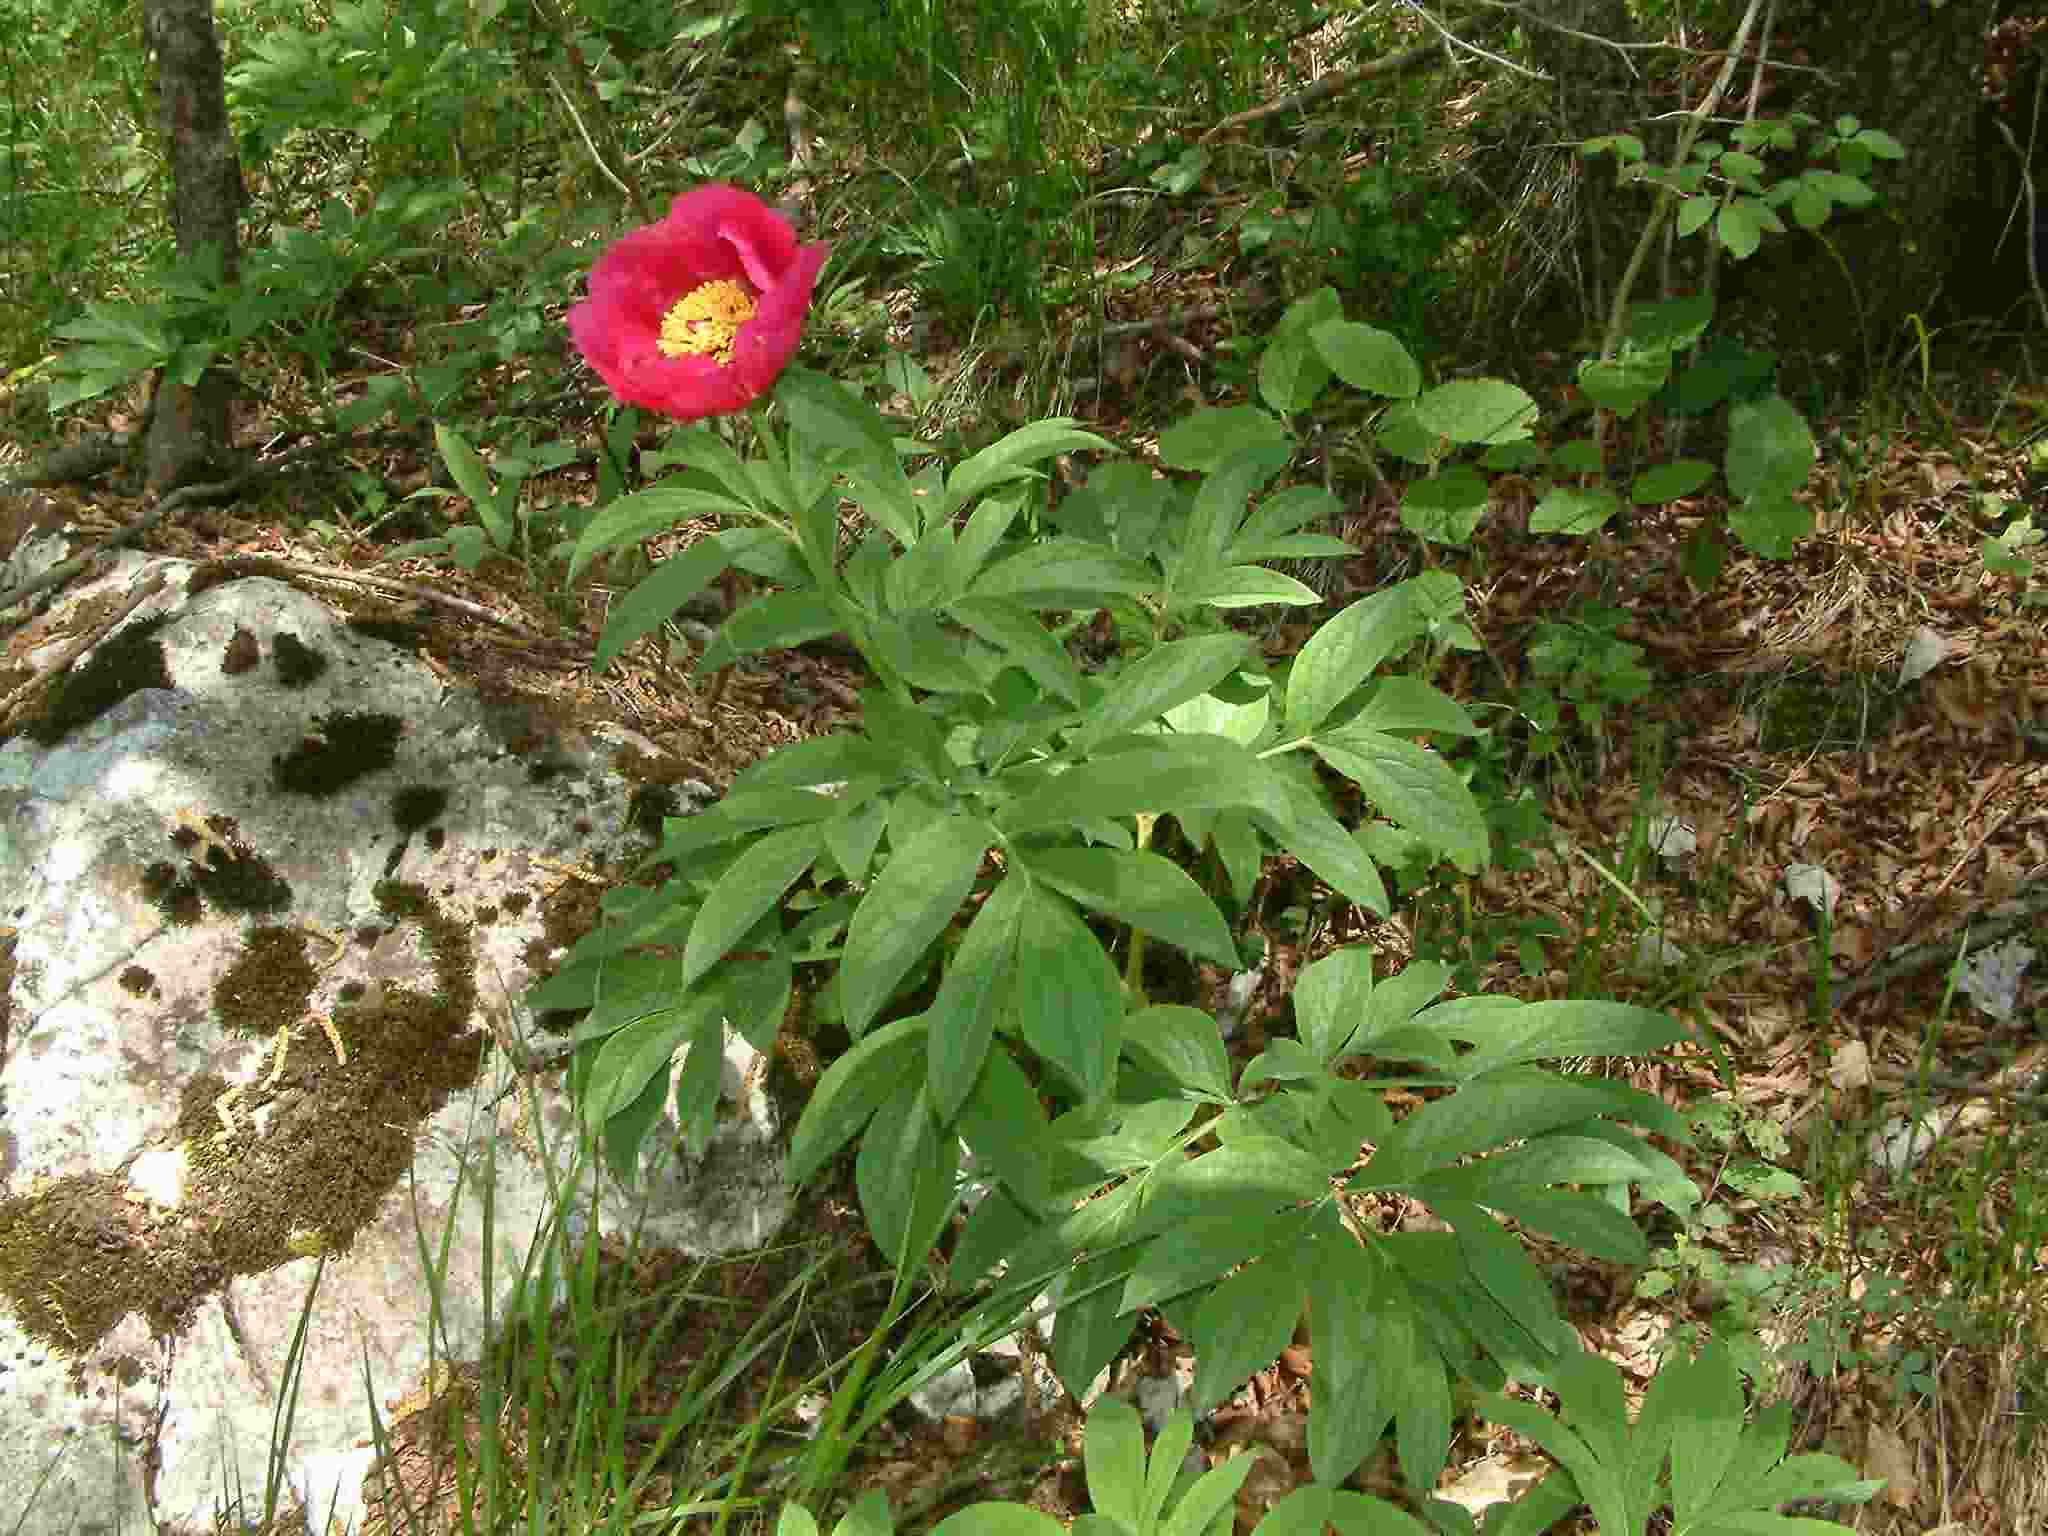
(1134,962)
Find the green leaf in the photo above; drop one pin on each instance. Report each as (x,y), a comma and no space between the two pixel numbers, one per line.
(1248,586)
(817,760)
(976,987)
(1010,458)
(904,1173)
(1572,510)
(1214,515)
(1359,1330)
(846,1097)
(1740,226)
(796,1521)
(1476,411)
(1113,1452)
(1283,512)
(1242,1325)
(1567,1027)
(1303,1512)
(1669,325)
(909,905)
(1206,714)
(1625,147)
(1580,456)
(632,518)
(1479,1117)
(1694,213)
(1623,384)
(701,449)
(1238,846)
(1394,1002)
(869,1515)
(1091,1330)
(626,1060)
(1446,507)
(1169,1454)
(1126,1138)
(474,481)
(778,621)
(1205,1509)
(1880,144)
(750,887)
(1290,375)
(1181,1045)
(1338,657)
(1068,1000)
(830,417)
(1152,894)
(978,539)
(998,1517)
(1210,1243)
(1329,996)
(1024,641)
(1319,840)
(1706,1402)
(1703,557)
(1849,191)
(1509,1275)
(1210,438)
(1401,434)
(1064,573)
(1004,1124)
(1770,524)
(656,598)
(1414,788)
(1368,359)
(1770,448)
(1408,704)
(1155,775)
(627,1127)
(1668,482)
(1167,675)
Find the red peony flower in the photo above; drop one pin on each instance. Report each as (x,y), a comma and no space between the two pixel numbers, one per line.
(697,315)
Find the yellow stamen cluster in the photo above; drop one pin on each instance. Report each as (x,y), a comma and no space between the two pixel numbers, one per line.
(705,320)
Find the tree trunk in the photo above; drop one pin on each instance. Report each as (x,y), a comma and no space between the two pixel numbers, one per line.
(1916,71)
(189,431)
(1592,93)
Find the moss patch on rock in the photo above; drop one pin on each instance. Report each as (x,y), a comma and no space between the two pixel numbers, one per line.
(269,984)
(297,663)
(242,653)
(296,1161)
(347,746)
(127,662)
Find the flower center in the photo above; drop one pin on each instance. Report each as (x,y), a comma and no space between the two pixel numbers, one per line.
(705,320)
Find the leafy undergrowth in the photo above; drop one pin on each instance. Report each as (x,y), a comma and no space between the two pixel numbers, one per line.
(1900,1309)
(1669,766)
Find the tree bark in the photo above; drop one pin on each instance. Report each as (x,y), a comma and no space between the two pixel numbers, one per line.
(1916,71)
(1567,226)
(190,433)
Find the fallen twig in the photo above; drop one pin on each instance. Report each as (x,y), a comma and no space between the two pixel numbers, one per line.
(1328,86)
(64,570)
(18,699)
(271,565)
(1924,957)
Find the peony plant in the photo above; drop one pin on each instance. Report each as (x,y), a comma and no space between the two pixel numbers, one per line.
(980,882)
(698,314)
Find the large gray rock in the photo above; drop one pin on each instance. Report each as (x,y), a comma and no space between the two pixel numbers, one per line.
(274,916)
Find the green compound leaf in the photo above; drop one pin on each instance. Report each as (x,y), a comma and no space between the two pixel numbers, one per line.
(909,905)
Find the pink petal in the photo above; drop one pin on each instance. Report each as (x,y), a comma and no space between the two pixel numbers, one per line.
(713,232)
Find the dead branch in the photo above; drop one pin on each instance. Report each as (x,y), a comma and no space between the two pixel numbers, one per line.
(1328,86)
